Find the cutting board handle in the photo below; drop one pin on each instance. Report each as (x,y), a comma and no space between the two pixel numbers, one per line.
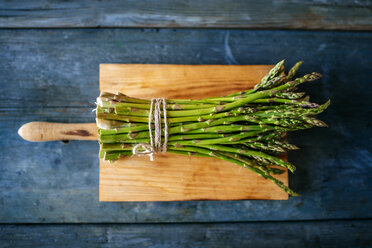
(48,131)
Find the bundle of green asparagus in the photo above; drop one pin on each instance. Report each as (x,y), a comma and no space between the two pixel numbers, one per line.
(246,128)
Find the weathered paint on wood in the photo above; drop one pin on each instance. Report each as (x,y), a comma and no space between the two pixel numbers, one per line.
(265,234)
(52,75)
(267,14)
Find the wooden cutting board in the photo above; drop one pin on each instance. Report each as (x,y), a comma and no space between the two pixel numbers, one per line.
(175,177)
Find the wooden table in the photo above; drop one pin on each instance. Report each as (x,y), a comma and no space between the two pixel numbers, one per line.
(49,72)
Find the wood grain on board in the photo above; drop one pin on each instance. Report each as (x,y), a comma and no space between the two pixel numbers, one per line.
(174,177)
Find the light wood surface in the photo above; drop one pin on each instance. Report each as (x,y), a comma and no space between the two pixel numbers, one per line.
(179,81)
(174,177)
(47,131)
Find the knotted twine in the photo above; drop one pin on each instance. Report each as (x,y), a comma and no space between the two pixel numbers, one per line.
(155,145)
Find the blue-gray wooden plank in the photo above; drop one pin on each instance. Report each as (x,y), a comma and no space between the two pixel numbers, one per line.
(297,14)
(52,75)
(272,234)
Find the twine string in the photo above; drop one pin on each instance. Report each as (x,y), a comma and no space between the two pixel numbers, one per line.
(155,145)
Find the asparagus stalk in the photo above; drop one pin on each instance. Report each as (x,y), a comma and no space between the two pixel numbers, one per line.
(246,128)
